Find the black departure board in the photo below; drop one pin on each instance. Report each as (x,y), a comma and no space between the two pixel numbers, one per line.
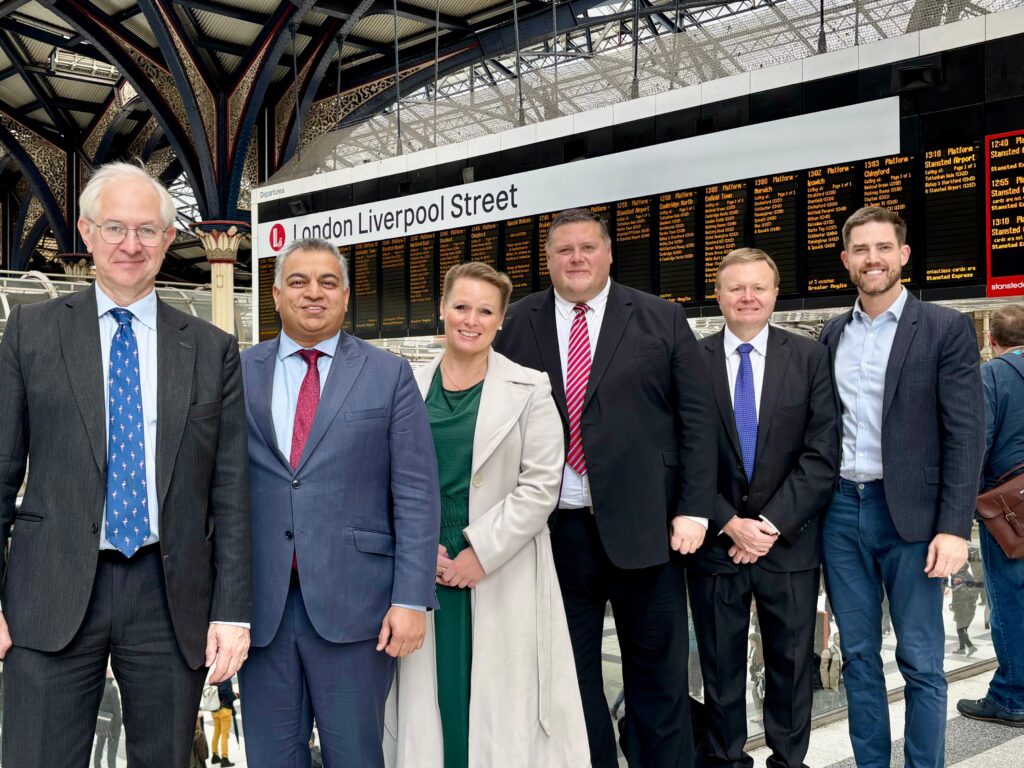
(543,225)
(422,284)
(951,214)
(521,254)
(724,224)
(830,201)
(451,250)
(394,315)
(367,319)
(1006,205)
(349,324)
(887,183)
(677,246)
(775,228)
(633,243)
(483,243)
(269,320)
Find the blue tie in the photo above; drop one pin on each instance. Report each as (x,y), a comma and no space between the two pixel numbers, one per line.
(745,409)
(127,519)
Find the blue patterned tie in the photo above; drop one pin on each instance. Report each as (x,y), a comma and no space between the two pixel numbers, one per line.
(745,409)
(127,520)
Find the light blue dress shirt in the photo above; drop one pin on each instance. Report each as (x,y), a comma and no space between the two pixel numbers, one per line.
(289,371)
(144,326)
(862,358)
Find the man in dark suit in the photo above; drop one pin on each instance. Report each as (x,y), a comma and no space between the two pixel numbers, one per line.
(912,441)
(777,460)
(132,540)
(346,519)
(639,421)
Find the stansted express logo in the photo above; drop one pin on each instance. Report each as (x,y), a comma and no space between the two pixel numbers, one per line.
(277,237)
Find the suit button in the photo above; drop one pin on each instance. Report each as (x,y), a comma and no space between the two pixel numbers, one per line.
(95,528)
(477,481)
(739,466)
(296,483)
(289,535)
(744,498)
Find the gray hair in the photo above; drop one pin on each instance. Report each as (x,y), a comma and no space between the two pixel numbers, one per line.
(309,244)
(88,201)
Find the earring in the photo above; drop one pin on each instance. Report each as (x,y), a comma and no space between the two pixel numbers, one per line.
(499,327)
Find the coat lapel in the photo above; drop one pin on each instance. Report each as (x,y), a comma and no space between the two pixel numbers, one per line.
(715,349)
(348,362)
(616,315)
(260,396)
(546,333)
(775,365)
(502,401)
(905,331)
(176,356)
(80,347)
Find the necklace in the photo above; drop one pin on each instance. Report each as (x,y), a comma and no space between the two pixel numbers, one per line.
(475,378)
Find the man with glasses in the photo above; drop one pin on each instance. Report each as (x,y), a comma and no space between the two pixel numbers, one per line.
(133,539)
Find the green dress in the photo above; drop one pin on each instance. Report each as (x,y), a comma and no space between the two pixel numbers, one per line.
(453,422)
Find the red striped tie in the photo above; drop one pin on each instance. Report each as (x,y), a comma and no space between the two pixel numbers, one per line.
(577,374)
(305,412)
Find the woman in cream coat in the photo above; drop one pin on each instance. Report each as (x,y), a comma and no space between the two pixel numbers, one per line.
(524,707)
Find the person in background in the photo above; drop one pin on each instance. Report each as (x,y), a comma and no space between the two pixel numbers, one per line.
(963,604)
(1003,380)
(222,724)
(200,749)
(346,517)
(639,426)
(499,689)
(108,725)
(912,439)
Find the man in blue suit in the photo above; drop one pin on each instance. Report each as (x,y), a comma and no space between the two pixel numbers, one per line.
(346,517)
(912,437)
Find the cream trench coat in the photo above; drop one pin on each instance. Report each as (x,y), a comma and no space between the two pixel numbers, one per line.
(525,709)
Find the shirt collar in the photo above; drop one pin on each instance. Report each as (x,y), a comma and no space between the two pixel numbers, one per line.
(564,307)
(144,310)
(287,346)
(759,342)
(895,309)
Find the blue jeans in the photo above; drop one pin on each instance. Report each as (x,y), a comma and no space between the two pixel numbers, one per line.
(1004,583)
(863,555)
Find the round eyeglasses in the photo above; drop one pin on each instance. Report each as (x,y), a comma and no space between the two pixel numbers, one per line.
(114,233)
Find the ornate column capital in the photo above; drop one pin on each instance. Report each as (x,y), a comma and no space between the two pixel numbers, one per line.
(221,238)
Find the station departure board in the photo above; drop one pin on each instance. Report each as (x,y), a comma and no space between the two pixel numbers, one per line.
(671,244)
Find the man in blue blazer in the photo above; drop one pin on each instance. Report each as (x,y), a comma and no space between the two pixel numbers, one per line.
(912,437)
(345,515)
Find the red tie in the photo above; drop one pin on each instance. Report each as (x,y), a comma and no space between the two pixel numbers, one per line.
(577,374)
(305,412)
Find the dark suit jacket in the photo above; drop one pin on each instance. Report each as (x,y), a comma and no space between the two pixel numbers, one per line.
(648,419)
(796,458)
(361,512)
(933,431)
(52,414)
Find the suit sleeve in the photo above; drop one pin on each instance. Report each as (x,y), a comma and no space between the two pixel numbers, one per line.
(229,501)
(806,489)
(508,526)
(14,429)
(698,414)
(962,427)
(415,496)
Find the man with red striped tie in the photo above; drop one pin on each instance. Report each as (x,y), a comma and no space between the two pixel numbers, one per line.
(639,479)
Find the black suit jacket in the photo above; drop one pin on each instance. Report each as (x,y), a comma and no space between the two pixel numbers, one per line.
(52,414)
(796,457)
(933,427)
(648,419)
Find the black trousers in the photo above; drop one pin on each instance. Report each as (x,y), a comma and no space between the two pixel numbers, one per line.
(649,607)
(51,700)
(786,611)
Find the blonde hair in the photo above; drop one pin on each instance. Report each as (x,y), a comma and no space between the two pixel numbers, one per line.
(745,256)
(478,270)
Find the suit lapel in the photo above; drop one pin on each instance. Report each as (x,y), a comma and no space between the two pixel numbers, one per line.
(715,348)
(905,331)
(176,356)
(616,315)
(546,333)
(80,347)
(502,401)
(348,362)
(260,397)
(775,365)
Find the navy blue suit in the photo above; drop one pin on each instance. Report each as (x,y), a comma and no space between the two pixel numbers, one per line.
(361,513)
